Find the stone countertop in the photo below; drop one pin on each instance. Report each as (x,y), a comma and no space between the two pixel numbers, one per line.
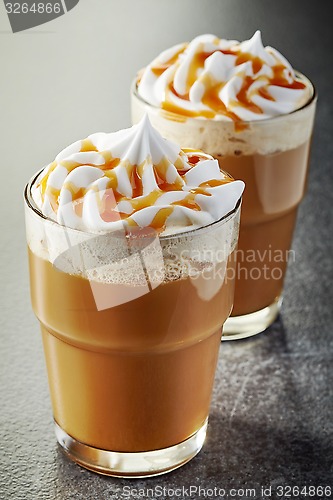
(271,414)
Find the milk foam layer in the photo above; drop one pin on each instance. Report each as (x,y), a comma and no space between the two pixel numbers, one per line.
(223,79)
(221,138)
(116,258)
(134,178)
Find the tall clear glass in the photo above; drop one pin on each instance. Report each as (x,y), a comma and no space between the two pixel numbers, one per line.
(272,157)
(131,326)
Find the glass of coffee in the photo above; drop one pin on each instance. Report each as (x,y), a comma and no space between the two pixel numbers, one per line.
(245,105)
(132,278)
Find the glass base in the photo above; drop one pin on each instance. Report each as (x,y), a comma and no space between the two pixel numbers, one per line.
(240,327)
(139,464)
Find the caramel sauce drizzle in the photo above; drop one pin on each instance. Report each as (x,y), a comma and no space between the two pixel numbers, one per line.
(188,201)
(53,195)
(76,192)
(257,63)
(198,62)
(136,183)
(159,69)
(87,146)
(160,218)
(177,110)
(263,92)
(108,203)
(160,171)
(193,160)
(112,184)
(212,88)
(179,163)
(215,182)
(243,97)
(43,182)
(200,190)
(145,201)
(280,80)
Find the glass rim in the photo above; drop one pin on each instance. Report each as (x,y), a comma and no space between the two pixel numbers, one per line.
(312,98)
(30,203)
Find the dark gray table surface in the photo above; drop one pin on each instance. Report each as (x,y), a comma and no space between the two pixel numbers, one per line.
(271,414)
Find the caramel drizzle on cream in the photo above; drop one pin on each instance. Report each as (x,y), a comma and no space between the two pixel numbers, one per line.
(107,204)
(212,88)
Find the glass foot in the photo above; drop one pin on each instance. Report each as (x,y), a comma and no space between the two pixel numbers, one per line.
(139,464)
(240,327)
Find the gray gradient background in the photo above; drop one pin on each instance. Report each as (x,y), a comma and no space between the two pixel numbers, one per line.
(271,411)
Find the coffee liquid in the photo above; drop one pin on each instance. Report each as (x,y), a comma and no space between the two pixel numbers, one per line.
(275,185)
(135,377)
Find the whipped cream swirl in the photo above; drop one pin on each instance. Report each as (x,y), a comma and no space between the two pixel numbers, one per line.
(134,177)
(215,78)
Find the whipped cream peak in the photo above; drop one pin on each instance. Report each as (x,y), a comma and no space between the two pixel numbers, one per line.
(255,47)
(135,145)
(134,177)
(223,79)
